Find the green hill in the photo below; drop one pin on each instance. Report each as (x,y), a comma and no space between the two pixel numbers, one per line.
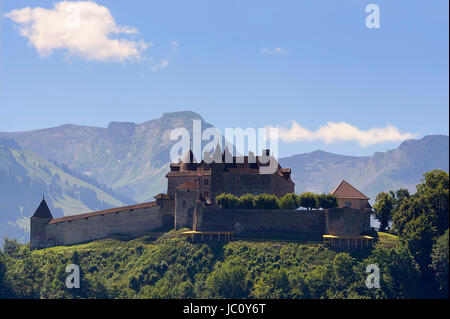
(173,267)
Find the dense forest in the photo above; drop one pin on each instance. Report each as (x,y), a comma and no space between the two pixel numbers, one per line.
(412,255)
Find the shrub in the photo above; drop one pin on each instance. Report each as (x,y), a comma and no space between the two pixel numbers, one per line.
(229,281)
(266,201)
(289,202)
(326,201)
(247,201)
(227,201)
(308,200)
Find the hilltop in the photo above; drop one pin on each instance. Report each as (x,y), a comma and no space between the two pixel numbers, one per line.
(172,267)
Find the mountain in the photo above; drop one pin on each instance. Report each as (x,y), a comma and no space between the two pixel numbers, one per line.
(402,167)
(25,177)
(130,158)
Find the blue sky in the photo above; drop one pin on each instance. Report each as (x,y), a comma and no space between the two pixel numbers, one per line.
(221,61)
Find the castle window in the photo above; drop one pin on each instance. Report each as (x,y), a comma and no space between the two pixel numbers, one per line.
(206,182)
(131,210)
(183,203)
(348,204)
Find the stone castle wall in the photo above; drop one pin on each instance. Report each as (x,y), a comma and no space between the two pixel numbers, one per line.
(346,221)
(136,222)
(342,222)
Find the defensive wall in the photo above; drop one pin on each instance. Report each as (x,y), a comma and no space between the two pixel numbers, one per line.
(338,221)
(78,228)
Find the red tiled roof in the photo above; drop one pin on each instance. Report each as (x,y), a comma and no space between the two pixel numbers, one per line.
(101,212)
(189,173)
(188,185)
(163,196)
(182,173)
(345,190)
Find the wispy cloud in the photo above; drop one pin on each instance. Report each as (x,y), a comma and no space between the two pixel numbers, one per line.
(159,66)
(82,28)
(174,45)
(276,50)
(334,132)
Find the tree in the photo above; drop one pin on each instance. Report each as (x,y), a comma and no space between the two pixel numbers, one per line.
(419,236)
(401,195)
(247,201)
(440,263)
(3,286)
(289,202)
(383,207)
(308,200)
(229,281)
(326,201)
(399,273)
(435,192)
(266,201)
(343,272)
(12,247)
(227,201)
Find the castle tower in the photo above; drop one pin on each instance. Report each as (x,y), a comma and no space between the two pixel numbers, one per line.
(38,221)
(185,198)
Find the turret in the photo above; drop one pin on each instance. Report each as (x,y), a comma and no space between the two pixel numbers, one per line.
(38,221)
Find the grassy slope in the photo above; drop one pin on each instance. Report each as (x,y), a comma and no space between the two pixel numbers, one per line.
(386,240)
(34,164)
(169,267)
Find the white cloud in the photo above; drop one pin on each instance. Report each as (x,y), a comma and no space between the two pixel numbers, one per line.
(174,44)
(83,28)
(342,132)
(276,50)
(160,66)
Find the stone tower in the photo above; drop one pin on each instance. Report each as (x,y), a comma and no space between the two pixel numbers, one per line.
(185,198)
(42,216)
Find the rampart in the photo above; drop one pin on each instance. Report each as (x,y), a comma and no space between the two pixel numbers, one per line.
(339,221)
(79,229)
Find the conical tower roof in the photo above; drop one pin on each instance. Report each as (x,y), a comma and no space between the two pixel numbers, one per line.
(217,156)
(188,157)
(188,162)
(43,211)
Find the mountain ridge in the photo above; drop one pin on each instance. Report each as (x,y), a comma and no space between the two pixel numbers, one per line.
(370,174)
(126,162)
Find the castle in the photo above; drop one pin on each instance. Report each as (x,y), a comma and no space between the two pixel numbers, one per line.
(190,202)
